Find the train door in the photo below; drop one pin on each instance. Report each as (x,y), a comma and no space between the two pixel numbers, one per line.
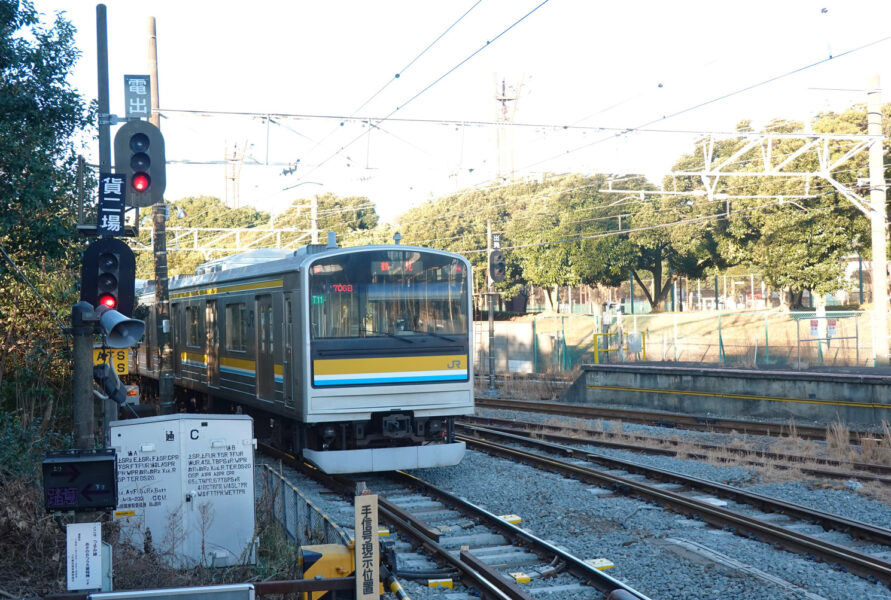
(179,325)
(288,365)
(265,349)
(213,346)
(149,343)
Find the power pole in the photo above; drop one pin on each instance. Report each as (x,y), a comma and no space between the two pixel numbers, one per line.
(82,332)
(159,243)
(232,174)
(314,218)
(491,296)
(504,136)
(109,408)
(878,224)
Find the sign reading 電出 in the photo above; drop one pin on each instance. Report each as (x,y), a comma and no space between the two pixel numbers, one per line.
(367,551)
(137,97)
(84,556)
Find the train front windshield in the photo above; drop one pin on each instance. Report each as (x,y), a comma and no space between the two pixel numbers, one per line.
(387,293)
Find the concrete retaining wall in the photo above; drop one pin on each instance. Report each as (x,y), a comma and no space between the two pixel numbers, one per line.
(826,397)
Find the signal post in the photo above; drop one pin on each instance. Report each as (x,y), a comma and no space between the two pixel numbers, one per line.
(108,268)
(494,273)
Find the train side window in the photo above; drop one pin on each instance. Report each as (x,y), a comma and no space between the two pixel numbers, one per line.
(236,326)
(192,320)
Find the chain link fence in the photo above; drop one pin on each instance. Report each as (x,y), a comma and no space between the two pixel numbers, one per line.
(746,339)
(722,292)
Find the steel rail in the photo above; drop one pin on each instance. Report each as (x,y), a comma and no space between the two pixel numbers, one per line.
(662,419)
(576,566)
(861,564)
(857,529)
(428,537)
(540,430)
(424,535)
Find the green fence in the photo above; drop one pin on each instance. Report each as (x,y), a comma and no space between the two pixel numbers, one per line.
(748,339)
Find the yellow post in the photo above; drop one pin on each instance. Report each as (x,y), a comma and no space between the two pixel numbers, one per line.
(596,349)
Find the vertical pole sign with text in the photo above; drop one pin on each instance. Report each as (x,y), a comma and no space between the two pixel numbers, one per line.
(366,548)
(84,556)
(137,97)
(112,204)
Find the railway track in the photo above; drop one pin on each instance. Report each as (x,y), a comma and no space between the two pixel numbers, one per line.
(624,476)
(446,538)
(566,434)
(663,419)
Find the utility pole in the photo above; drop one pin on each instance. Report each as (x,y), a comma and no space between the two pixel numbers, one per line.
(314,218)
(490,296)
(82,332)
(159,243)
(878,224)
(232,173)
(504,136)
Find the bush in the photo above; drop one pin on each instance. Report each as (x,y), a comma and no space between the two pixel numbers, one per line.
(22,447)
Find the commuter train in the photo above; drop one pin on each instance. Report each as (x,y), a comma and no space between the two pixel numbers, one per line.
(358,359)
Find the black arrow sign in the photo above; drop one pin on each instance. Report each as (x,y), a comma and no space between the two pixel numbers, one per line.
(94,489)
(67,470)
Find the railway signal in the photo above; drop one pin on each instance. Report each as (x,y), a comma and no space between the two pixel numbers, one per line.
(139,154)
(497,268)
(108,275)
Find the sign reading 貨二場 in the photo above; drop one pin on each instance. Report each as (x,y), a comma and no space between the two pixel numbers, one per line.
(112,204)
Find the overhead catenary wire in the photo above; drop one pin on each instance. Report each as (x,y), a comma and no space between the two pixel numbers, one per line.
(402,71)
(717,99)
(429,86)
(579,238)
(557,193)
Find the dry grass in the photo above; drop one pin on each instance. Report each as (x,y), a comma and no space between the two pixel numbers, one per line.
(32,552)
(32,546)
(536,386)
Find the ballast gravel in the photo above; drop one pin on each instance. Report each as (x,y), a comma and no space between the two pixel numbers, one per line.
(663,555)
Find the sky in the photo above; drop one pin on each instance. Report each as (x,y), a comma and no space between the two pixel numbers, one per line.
(267,103)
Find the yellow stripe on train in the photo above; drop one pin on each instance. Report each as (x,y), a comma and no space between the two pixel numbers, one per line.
(390,364)
(244,287)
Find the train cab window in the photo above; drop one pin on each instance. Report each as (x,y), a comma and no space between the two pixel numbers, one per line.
(192,326)
(388,293)
(236,326)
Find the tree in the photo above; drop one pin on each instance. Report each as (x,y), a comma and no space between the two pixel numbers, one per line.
(41,122)
(457,223)
(202,212)
(799,244)
(42,117)
(341,215)
(567,233)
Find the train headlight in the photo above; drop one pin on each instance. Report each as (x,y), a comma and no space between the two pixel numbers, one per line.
(328,435)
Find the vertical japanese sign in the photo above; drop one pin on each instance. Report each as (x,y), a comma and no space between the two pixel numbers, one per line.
(84,556)
(112,191)
(137,97)
(367,550)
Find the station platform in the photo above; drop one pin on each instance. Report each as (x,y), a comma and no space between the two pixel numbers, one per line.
(855,396)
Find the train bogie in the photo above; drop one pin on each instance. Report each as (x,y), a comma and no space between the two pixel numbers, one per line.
(357,358)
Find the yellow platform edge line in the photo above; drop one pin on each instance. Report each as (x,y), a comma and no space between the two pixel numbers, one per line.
(733,396)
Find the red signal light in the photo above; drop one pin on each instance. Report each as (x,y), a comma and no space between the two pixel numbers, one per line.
(140,182)
(108,301)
